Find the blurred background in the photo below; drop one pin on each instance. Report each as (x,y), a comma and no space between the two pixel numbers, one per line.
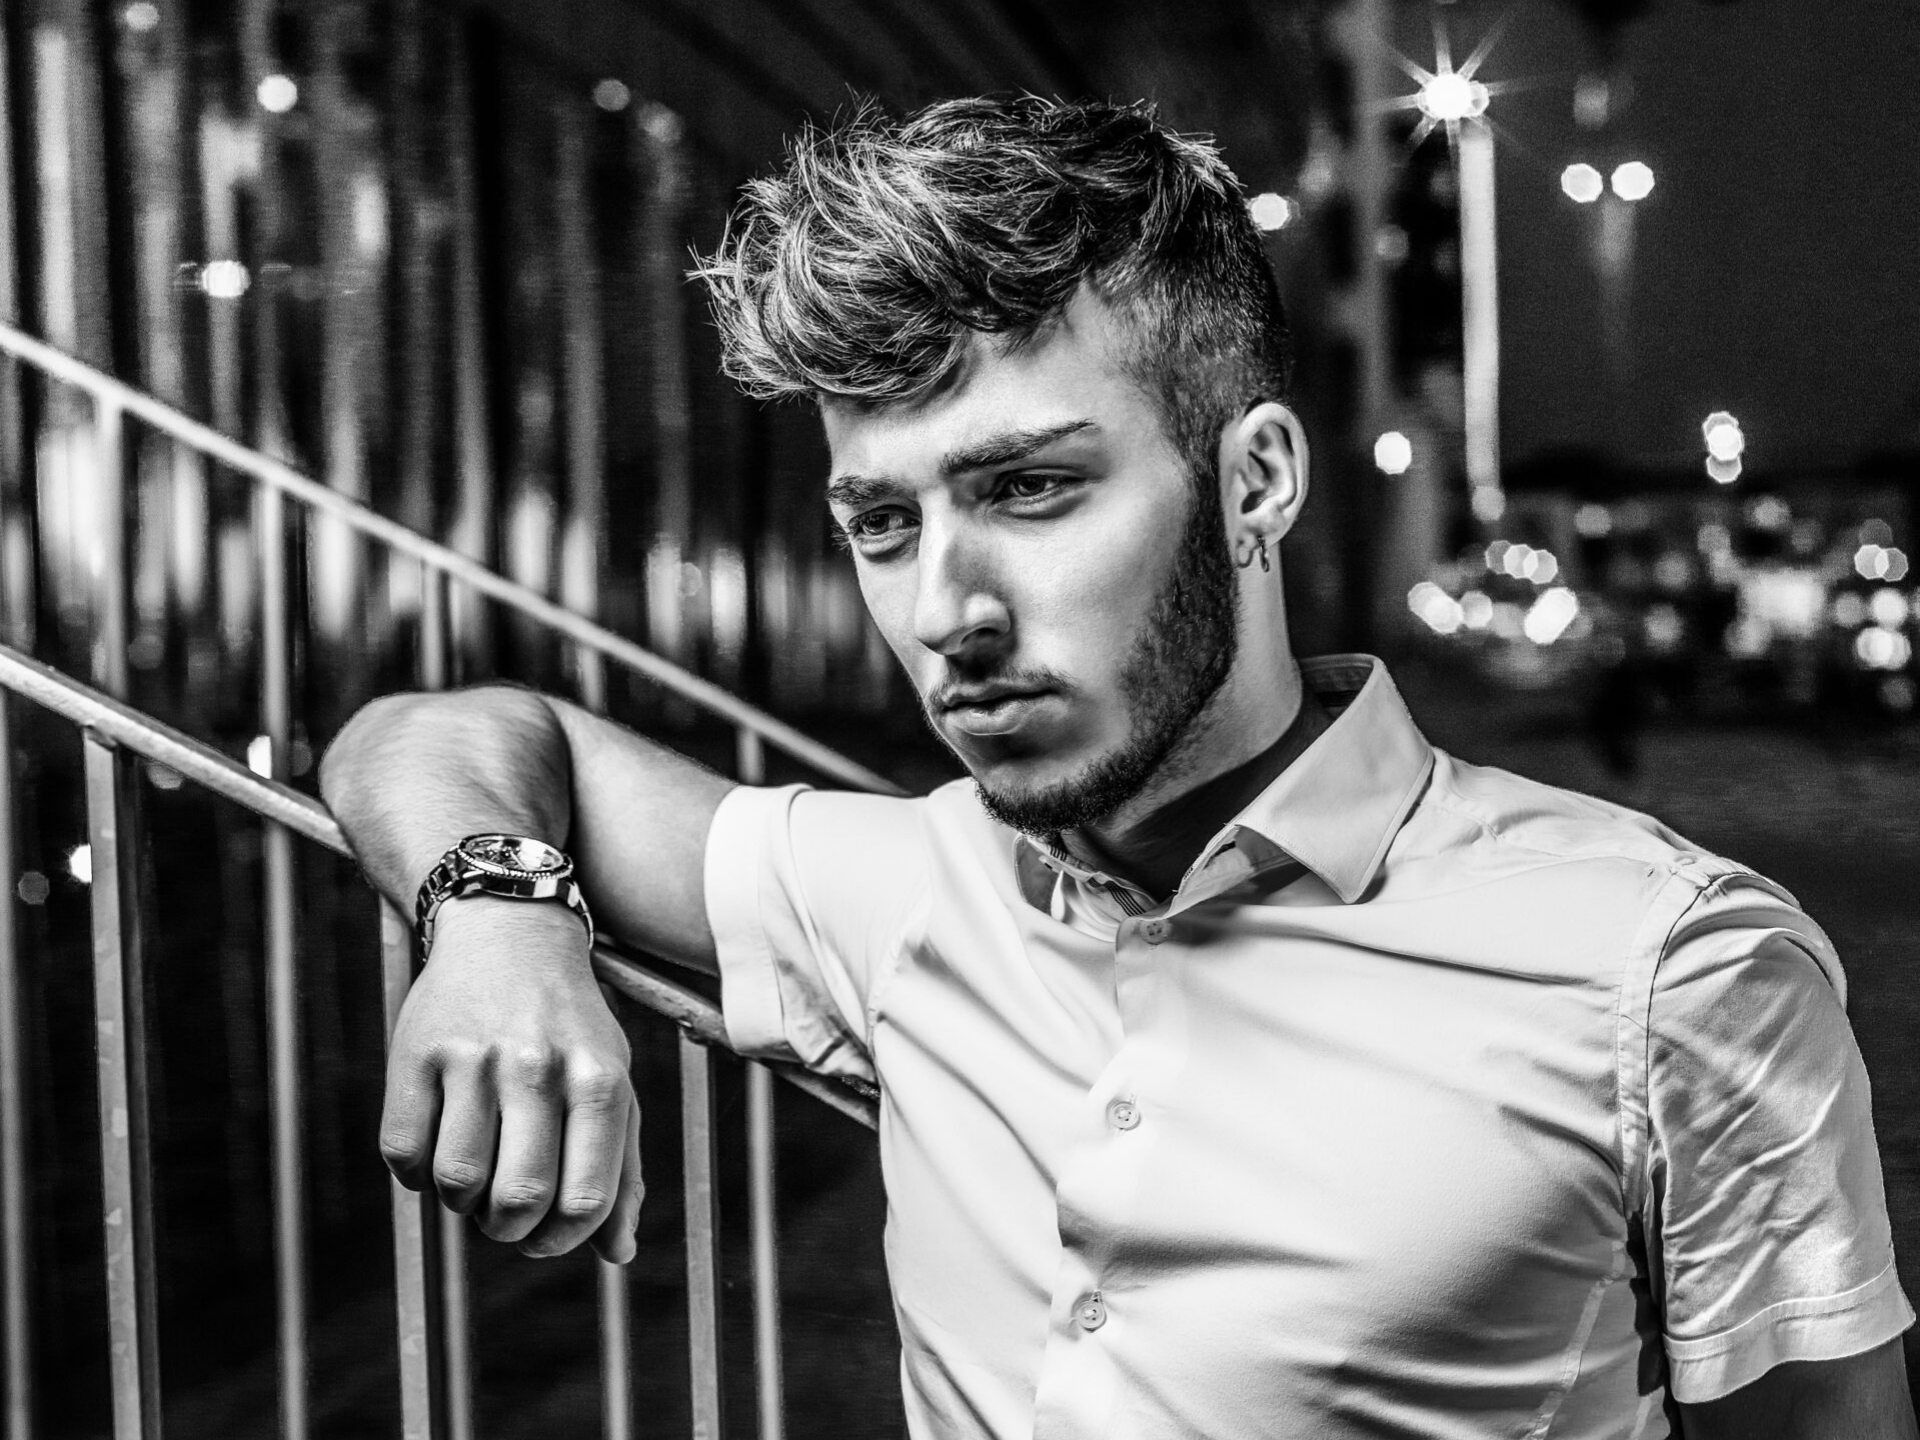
(1605,310)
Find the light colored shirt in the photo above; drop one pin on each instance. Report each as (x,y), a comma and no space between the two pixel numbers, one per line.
(1435,1102)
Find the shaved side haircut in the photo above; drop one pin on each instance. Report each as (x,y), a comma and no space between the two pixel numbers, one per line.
(861,272)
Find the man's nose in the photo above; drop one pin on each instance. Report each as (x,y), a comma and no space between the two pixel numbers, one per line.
(959,606)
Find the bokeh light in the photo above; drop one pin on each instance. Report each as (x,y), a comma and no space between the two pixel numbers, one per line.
(1725,440)
(1550,615)
(225,279)
(1633,180)
(1439,610)
(1270,211)
(1878,648)
(1880,562)
(277,94)
(1582,183)
(1888,607)
(1393,453)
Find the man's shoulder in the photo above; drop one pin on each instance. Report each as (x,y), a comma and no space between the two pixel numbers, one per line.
(1586,866)
(1529,822)
(947,815)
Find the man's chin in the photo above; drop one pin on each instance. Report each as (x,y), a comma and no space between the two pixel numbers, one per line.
(1044,800)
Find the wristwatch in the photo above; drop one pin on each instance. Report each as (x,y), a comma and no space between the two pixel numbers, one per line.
(513,867)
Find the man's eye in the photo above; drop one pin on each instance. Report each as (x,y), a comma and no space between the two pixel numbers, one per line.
(876,531)
(1030,486)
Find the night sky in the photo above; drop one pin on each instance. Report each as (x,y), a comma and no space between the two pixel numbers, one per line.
(1777,270)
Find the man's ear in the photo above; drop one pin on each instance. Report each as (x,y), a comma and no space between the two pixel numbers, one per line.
(1263,469)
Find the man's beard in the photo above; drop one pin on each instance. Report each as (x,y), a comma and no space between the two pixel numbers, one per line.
(1178,662)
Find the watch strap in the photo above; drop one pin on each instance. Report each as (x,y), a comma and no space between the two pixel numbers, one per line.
(455,876)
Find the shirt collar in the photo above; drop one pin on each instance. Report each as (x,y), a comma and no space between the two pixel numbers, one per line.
(1335,809)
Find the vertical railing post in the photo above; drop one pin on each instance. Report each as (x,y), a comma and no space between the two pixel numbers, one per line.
(616,1352)
(769,1381)
(416,1290)
(107,549)
(283,997)
(120,1028)
(436,630)
(435,673)
(15,1274)
(583,382)
(703,1243)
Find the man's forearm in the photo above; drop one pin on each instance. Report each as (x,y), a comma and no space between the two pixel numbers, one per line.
(410,775)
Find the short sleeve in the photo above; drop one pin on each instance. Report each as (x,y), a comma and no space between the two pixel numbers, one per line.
(809,895)
(1770,1240)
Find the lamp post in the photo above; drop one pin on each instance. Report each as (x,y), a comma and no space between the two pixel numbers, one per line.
(1455,99)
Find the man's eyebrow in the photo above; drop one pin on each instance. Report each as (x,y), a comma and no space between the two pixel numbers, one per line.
(856,490)
(1006,448)
(852,491)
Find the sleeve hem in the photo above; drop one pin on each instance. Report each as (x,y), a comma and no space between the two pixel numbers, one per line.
(749,985)
(1821,1328)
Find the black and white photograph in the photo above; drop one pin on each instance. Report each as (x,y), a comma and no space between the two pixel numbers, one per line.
(959,719)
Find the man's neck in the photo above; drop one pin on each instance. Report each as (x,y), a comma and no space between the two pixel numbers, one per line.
(1155,848)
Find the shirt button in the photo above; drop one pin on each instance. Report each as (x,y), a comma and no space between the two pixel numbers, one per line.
(1123,1114)
(1091,1313)
(1154,931)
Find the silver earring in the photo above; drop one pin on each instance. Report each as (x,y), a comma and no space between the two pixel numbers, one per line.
(1265,564)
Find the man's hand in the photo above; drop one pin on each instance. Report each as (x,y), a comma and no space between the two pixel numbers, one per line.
(507,1083)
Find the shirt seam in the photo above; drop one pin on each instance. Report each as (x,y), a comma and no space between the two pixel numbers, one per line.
(1633,1063)
(1449,800)
(1739,1337)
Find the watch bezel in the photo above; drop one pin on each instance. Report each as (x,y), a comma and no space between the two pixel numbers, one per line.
(559,867)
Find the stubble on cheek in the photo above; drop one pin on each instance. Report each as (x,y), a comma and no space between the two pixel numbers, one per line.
(1176,662)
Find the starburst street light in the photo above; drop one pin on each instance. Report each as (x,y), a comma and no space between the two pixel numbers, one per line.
(1452,96)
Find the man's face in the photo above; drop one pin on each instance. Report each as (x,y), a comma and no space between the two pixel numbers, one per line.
(1033,549)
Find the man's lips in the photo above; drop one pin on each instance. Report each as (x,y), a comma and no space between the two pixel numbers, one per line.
(992,710)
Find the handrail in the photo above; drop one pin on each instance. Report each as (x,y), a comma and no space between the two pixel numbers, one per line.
(433,1306)
(205,766)
(284,478)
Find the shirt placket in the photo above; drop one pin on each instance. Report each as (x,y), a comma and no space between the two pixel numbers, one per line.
(1083,1378)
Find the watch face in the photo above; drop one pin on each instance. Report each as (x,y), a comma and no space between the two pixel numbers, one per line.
(514,854)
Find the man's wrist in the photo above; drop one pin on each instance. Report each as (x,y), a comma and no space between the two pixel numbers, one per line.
(492,920)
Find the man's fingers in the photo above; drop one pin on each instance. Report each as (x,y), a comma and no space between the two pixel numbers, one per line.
(614,1238)
(599,1109)
(469,1131)
(408,1116)
(527,1172)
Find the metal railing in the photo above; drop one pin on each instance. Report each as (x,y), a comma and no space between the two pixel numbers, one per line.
(435,1357)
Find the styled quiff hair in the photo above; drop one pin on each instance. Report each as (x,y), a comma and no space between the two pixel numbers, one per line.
(862,272)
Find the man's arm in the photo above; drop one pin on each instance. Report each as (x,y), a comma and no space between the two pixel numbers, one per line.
(507,1084)
(1863,1397)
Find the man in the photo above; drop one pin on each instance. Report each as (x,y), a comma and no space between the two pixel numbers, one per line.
(1248,1066)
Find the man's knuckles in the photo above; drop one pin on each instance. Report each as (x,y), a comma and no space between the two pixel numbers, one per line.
(406,1156)
(595,1088)
(584,1201)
